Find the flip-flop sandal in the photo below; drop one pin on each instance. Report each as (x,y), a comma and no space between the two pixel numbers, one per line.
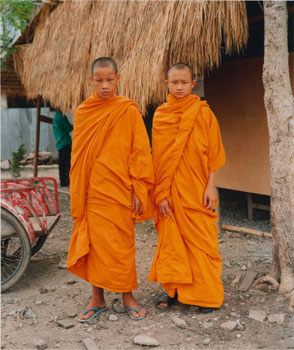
(97,312)
(167,300)
(129,309)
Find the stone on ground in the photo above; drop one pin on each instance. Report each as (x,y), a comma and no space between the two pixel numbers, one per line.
(206,341)
(207,325)
(248,279)
(113,318)
(276,318)
(89,344)
(66,324)
(40,344)
(229,325)
(29,313)
(145,340)
(257,315)
(179,322)
(62,264)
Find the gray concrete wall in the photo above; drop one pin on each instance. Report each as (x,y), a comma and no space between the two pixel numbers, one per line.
(18,126)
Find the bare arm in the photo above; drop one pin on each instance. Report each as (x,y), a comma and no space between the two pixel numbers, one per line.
(209,197)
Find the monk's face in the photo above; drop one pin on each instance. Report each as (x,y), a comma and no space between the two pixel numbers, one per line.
(104,81)
(180,83)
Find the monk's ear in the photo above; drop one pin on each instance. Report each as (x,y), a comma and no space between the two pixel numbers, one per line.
(92,79)
(117,77)
(194,82)
(166,82)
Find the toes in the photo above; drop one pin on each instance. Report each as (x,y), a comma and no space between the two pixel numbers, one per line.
(83,316)
(141,313)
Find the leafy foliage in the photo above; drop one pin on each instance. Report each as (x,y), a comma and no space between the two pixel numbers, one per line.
(15,15)
(17,157)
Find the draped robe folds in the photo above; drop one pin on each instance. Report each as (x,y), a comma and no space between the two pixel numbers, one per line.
(186,147)
(110,158)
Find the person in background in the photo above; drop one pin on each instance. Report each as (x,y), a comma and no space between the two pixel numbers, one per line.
(61,130)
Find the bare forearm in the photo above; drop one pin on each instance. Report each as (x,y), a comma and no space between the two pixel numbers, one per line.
(210,182)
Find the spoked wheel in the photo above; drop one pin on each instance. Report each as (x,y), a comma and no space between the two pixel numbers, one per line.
(15,250)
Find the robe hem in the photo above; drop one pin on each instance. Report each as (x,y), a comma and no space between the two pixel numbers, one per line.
(195,303)
(111,289)
(101,285)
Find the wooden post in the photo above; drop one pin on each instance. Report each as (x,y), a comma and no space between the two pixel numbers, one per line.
(250,206)
(37,139)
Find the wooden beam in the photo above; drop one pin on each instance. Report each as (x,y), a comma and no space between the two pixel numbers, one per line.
(37,139)
(45,119)
(246,230)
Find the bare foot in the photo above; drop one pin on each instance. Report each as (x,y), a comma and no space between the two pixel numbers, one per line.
(165,301)
(97,300)
(163,304)
(130,301)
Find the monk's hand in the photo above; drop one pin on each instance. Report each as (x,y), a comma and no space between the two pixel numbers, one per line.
(164,208)
(209,198)
(137,205)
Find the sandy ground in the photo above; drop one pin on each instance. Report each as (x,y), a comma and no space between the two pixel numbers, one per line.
(48,298)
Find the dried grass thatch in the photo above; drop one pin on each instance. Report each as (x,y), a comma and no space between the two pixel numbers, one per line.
(144,37)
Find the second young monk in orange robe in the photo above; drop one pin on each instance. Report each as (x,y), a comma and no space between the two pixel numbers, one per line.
(187,150)
(110,181)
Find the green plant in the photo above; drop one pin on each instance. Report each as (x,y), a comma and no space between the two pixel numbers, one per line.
(15,15)
(17,157)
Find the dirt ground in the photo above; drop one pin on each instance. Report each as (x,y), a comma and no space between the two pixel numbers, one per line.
(48,298)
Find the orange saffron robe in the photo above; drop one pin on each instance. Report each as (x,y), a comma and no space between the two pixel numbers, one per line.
(186,147)
(110,157)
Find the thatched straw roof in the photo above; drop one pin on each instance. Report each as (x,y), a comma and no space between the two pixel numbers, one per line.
(144,37)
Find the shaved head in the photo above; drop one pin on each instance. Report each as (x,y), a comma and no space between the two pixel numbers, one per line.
(180,66)
(104,62)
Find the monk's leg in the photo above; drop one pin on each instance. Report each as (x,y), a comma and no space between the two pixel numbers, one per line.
(130,301)
(97,300)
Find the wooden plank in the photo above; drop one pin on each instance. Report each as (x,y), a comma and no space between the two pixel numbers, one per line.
(36,226)
(261,206)
(248,279)
(45,119)
(246,230)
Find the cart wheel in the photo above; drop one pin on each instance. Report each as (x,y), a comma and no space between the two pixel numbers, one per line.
(39,244)
(15,250)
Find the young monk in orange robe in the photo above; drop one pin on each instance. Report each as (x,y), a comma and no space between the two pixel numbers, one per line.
(110,180)
(187,150)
